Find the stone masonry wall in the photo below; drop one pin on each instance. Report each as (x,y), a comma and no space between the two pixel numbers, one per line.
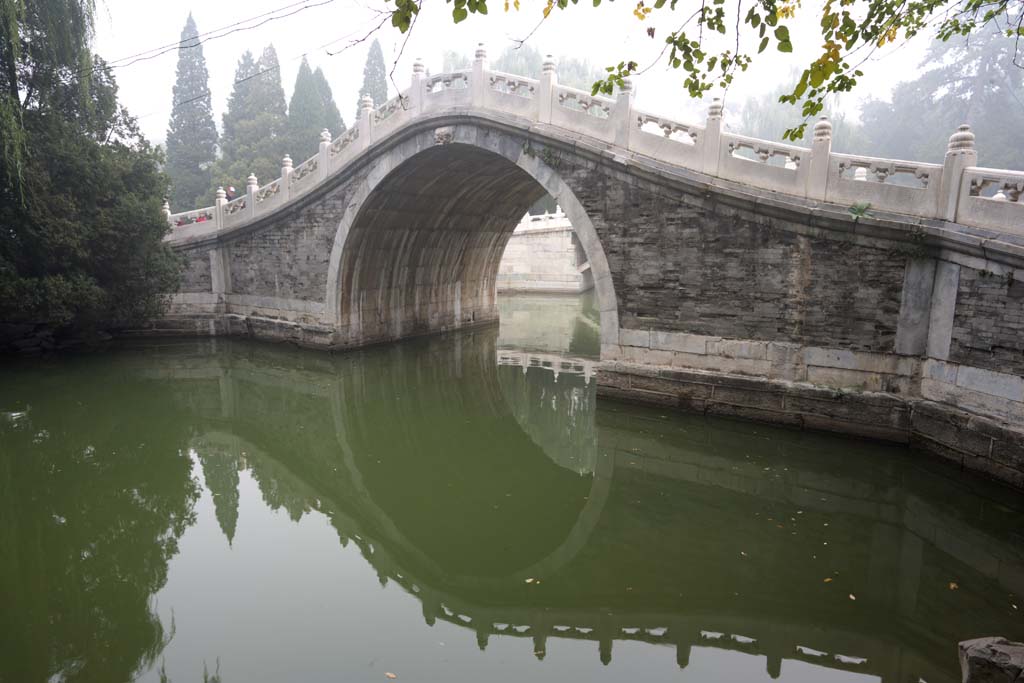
(684,263)
(195,276)
(988,329)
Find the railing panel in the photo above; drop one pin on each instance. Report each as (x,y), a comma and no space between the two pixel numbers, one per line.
(992,198)
(269,197)
(887,184)
(191,224)
(343,148)
(767,165)
(445,91)
(304,177)
(667,140)
(392,115)
(582,113)
(235,212)
(512,94)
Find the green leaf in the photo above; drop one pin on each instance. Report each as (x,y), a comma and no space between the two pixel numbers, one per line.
(785,46)
(763,45)
(782,34)
(459,14)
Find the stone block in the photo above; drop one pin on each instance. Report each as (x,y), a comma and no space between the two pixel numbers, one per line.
(769,400)
(681,341)
(1010,387)
(735,348)
(856,360)
(939,370)
(739,366)
(641,338)
(991,660)
(845,379)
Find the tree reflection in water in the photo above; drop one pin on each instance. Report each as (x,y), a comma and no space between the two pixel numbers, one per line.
(503,499)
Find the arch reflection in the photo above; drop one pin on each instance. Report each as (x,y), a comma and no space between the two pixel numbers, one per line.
(682,533)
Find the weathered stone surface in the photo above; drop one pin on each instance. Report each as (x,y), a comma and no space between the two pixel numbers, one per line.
(991,660)
(988,330)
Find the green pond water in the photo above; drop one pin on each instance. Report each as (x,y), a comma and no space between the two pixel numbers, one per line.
(462,508)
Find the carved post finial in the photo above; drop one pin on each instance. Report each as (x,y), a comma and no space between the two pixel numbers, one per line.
(325,135)
(286,162)
(251,182)
(166,208)
(960,155)
(481,52)
(627,85)
(961,141)
(823,129)
(549,64)
(221,195)
(715,108)
(365,105)
(418,67)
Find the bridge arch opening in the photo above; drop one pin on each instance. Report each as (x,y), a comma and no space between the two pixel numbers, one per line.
(419,246)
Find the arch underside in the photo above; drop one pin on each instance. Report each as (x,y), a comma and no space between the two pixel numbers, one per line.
(423,250)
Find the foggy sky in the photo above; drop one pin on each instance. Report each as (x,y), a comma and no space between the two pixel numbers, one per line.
(603,35)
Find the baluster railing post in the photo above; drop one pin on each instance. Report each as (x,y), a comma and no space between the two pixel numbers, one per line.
(365,121)
(821,152)
(960,154)
(218,208)
(478,79)
(323,163)
(417,87)
(623,113)
(286,171)
(166,209)
(713,137)
(546,91)
(251,186)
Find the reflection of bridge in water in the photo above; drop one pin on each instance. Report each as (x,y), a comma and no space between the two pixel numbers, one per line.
(701,563)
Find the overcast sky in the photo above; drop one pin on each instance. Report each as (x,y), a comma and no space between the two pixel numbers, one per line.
(602,35)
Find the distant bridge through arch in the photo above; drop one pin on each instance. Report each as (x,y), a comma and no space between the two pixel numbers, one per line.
(731,276)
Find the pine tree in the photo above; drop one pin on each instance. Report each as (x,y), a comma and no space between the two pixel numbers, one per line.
(311,110)
(254,125)
(375,78)
(332,116)
(191,133)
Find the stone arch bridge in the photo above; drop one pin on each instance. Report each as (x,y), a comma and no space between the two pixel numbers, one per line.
(734,276)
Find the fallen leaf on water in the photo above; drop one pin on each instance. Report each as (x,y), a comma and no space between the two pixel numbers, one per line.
(390,675)
(852,596)
(530,580)
(953,585)
(828,579)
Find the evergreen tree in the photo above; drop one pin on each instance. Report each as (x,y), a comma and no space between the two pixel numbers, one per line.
(80,188)
(375,77)
(191,133)
(311,110)
(255,123)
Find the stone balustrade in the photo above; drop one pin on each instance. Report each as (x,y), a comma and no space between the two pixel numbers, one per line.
(956,190)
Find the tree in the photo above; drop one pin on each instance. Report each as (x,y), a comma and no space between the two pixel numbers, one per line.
(767,118)
(375,77)
(712,48)
(311,110)
(255,124)
(80,188)
(191,133)
(972,82)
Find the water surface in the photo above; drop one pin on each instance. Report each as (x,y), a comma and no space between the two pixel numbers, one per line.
(463,509)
